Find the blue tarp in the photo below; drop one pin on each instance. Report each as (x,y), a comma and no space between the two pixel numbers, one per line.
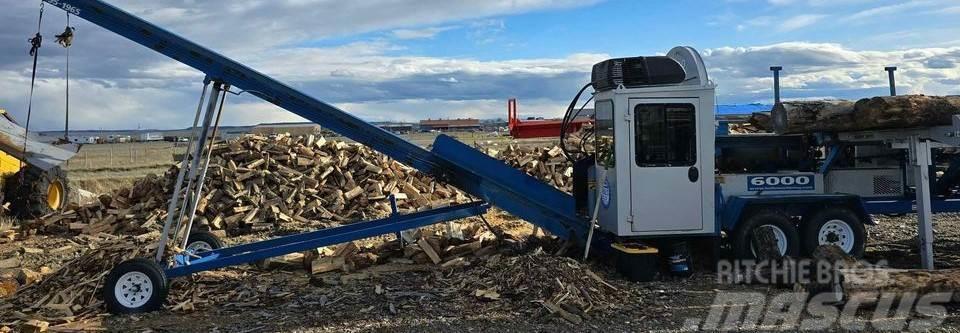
(742,108)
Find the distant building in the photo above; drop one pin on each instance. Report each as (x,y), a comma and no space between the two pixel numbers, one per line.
(233,133)
(398,128)
(445,125)
(494,125)
(294,129)
(151,136)
(83,139)
(117,138)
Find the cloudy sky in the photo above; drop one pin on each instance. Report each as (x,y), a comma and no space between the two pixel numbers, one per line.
(413,59)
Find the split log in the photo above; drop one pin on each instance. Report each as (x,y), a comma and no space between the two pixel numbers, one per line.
(886,112)
(34,326)
(864,283)
(430,251)
(12,262)
(326,264)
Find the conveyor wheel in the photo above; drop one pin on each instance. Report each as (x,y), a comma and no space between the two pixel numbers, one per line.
(202,241)
(135,286)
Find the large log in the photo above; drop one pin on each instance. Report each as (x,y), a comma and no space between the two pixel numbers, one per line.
(887,112)
(864,283)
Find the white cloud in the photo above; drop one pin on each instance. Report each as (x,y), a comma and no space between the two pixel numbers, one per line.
(424,33)
(799,21)
(366,61)
(954,10)
(781,2)
(782,24)
(415,109)
(814,70)
(127,85)
(364,80)
(816,3)
(264,24)
(487,31)
(761,21)
(887,10)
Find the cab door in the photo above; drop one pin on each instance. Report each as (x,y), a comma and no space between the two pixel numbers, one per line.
(665,172)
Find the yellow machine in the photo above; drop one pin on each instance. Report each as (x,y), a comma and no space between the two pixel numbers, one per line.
(32,180)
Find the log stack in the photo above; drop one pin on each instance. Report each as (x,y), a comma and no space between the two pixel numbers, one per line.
(256,183)
(72,293)
(886,112)
(547,164)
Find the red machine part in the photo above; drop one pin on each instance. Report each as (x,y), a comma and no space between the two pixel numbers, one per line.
(540,128)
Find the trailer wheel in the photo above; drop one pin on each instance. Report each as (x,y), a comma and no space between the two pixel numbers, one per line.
(838,226)
(788,238)
(135,286)
(203,241)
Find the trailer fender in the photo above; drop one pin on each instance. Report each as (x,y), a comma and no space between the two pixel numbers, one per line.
(734,207)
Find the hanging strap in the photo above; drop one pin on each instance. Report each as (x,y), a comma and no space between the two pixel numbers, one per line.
(35,43)
(66,40)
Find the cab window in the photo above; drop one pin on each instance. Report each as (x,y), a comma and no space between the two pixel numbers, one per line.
(665,135)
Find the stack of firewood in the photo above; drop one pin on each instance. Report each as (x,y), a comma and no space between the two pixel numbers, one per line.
(257,183)
(128,210)
(70,295)
(547,164)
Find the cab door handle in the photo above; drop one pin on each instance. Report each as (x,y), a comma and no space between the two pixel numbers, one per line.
(693,174)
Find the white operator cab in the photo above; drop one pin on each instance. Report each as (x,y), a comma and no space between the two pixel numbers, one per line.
(655,154)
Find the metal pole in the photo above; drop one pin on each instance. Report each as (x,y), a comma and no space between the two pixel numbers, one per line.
(198,152)
(203,175)
(893,84)
(776,82)
(179,184)
(66,119)
(593,219)
(394,212)
(920,151)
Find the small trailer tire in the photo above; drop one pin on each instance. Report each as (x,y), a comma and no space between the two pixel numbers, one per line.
(202,241)
(835,225)
(135,286)
(785,230)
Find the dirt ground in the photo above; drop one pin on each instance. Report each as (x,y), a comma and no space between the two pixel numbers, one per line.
(418,299)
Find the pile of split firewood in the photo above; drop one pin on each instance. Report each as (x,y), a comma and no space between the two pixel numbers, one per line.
(69,298)
(561,285)
(547,164)
(258,183)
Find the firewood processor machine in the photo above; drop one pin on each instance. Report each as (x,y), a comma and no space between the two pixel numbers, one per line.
(665,173)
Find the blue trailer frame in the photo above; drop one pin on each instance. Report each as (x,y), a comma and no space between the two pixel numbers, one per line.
(189,263)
